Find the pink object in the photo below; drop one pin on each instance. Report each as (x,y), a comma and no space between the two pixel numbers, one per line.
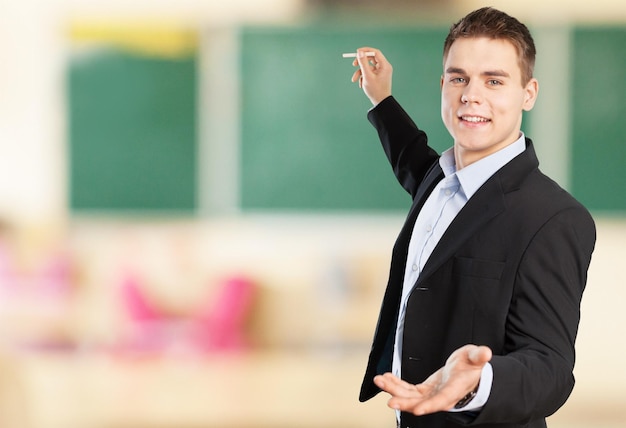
(217,326)
(146,328)
(221,324)
(135,303)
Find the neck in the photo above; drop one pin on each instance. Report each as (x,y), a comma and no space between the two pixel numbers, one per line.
(465,157)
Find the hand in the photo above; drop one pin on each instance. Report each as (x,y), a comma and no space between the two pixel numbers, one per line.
(373,75)
(443,389)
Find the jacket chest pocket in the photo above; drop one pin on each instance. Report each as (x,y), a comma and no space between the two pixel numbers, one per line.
(481,283)
(485,270)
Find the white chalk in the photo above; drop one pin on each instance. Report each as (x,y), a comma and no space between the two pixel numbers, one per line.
(353,54)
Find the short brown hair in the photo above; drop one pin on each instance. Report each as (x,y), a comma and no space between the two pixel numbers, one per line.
(492,23)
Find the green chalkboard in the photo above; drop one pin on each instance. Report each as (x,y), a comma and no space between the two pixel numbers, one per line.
(132,133)
(598,125)
(306,143)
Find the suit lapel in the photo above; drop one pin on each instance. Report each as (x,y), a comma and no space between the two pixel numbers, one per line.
(393,292)
(484,205)
(487,203)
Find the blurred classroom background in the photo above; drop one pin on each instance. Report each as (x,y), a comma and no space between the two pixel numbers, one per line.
(196,218)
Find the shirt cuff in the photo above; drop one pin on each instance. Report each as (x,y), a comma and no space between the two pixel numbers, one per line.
(482,395)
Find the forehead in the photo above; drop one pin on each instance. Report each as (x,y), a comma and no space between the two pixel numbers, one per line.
(483,53)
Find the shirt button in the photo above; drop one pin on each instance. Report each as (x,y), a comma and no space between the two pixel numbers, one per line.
(447,192)
(429,228)
(414,267)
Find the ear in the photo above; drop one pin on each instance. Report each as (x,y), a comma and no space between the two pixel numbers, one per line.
(530,94)
(441,82)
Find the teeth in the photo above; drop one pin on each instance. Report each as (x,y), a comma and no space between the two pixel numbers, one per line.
(474,119)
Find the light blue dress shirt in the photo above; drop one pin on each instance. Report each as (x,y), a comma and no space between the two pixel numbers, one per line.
(444,203)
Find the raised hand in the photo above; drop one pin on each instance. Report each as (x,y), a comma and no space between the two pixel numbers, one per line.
(373,75)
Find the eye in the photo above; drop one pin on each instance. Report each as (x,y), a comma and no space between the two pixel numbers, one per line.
(458,80)
(494,82)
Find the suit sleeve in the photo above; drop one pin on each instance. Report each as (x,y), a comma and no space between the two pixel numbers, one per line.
(534,375)
(405,145)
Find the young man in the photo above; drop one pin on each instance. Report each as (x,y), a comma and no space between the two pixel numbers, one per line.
(481,311)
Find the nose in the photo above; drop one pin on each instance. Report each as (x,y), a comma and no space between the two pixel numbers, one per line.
(471,94)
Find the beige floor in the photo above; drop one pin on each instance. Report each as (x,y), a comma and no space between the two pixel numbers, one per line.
(230,391)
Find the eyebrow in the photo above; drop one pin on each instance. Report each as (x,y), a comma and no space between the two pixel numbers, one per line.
(488,73)
(454,70)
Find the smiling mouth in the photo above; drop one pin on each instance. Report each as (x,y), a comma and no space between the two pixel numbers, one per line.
(475,119)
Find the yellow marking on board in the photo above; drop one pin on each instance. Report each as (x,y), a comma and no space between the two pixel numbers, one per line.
(154,39)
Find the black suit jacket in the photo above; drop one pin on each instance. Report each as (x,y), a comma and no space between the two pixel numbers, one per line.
(508,273)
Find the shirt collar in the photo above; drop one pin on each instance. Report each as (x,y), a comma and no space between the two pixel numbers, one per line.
(473,176)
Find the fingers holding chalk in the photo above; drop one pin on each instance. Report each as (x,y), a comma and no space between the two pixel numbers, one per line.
(368,54)
(373,73)
(354,54)
(358,75)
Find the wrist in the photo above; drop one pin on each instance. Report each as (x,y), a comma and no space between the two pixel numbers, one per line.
(375,100)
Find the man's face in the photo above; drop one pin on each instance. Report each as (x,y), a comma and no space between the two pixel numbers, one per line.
(482,97)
